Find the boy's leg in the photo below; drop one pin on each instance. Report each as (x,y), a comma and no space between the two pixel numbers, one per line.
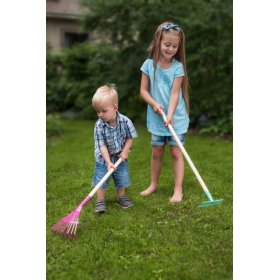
(178,168)
(122,181)
(120,192)
(99,172)
(122,200)
(101,194)
(156,164)
(100,206)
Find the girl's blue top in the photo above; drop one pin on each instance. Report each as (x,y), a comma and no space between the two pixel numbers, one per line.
(160,89)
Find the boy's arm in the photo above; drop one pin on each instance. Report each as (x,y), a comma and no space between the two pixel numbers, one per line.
(126,148)
(100,143)
(105,154)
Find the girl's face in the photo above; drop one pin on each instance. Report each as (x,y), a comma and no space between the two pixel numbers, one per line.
(169,45)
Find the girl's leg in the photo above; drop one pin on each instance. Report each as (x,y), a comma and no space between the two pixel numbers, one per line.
(178,168)
(156,163)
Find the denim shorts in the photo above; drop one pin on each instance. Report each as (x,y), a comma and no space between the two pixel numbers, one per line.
(120,175)
(163,140)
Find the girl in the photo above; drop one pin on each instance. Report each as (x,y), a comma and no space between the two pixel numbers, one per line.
(164,86)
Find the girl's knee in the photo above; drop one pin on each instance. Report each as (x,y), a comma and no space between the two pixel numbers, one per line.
(157,153)
(176,153)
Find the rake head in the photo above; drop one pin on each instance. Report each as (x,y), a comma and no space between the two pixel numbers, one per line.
(67,226)
(210,203)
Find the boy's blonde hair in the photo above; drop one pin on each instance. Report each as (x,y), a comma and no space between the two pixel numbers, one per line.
(104,96)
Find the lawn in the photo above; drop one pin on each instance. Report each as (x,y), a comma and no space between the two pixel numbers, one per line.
(152,240)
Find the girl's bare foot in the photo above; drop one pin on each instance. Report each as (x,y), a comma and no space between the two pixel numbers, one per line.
(148,191)
(177,197)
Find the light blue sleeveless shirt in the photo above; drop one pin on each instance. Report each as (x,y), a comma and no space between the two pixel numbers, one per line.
(160,89)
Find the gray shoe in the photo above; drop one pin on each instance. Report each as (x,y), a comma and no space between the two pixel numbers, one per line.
(100,206)
(124,202)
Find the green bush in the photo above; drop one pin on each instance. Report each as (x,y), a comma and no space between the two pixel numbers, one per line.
(130,25)
(74,75)
(55,85)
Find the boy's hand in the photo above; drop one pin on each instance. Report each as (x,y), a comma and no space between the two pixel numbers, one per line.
(124,155)
(110,165)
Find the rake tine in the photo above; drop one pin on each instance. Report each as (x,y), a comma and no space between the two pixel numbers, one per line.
(57,226)
(61,225)
(75,224)
(71,228)
(75,229)
(62,229)
(68,229)
(53,227)
(70,232)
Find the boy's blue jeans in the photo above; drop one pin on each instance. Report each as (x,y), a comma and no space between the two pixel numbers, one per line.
(120,175)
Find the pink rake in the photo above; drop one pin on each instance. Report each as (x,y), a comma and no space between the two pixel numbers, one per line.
(67,226)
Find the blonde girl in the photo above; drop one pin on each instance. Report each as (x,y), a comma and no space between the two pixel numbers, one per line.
(164,86)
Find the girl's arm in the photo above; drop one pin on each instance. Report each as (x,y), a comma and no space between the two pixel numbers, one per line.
(173,100)
(144,92)
(105,154)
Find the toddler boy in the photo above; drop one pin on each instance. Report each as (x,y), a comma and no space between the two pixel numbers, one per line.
(113,137)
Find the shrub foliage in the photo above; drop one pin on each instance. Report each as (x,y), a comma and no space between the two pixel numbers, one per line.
(128,27)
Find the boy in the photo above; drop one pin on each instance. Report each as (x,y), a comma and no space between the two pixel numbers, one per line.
(113,137)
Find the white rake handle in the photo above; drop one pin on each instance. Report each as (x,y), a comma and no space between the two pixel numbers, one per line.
(100,183)
(107,175)
(187,158)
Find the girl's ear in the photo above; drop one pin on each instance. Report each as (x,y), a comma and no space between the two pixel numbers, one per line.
(116,107)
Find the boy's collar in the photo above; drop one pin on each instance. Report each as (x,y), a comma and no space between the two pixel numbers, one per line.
(118,120)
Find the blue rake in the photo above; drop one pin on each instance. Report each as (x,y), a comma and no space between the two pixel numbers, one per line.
(211,201)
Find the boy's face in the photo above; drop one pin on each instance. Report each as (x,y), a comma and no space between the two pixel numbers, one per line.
(108,113)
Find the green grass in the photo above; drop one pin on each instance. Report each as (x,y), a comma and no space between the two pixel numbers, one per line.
(152,240)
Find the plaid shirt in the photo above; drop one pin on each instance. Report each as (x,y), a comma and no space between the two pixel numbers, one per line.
(112,137)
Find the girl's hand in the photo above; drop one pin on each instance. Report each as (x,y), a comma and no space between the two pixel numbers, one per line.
(158,108)
(169,120)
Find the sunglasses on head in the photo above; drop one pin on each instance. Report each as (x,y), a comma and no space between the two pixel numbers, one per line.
(171,26)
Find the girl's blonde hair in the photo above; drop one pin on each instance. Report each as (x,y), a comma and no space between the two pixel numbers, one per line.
(154,53)
(104,96)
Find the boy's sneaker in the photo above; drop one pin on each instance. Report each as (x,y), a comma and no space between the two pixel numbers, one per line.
(124,202)
(100,206)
